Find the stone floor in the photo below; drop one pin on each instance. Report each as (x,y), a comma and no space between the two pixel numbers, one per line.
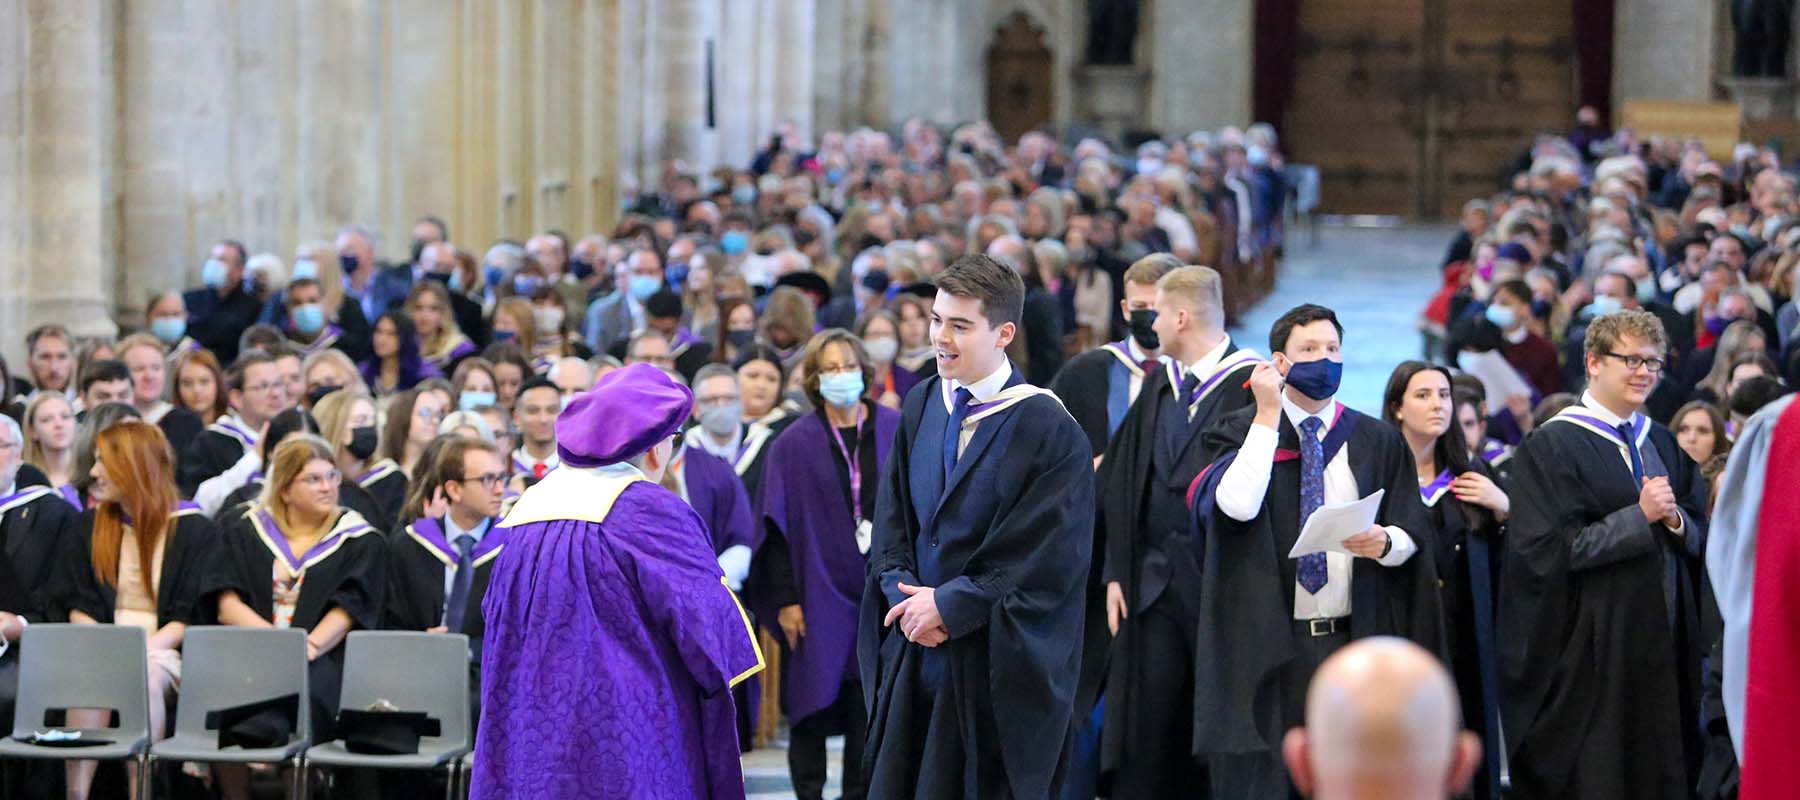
(1377,280)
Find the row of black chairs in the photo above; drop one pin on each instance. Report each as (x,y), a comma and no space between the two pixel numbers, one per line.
(105,667)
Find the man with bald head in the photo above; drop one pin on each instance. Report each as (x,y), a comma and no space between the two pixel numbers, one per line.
(572,376)
(1382,721)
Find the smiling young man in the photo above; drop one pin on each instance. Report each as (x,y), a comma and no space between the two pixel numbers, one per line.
(971,622)
(1599,611)
(1266,621)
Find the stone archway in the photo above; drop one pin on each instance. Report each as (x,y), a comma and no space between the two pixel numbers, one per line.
(1021,92)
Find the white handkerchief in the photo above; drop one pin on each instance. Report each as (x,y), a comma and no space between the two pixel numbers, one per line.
(865,531)
(1329,526)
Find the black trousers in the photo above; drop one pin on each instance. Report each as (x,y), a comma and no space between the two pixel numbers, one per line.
(806,745)
(1159,760)
(1264,775)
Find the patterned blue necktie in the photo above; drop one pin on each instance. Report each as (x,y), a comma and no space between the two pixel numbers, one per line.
(459,584)
(959,411)
(1637,458)
(1312,495)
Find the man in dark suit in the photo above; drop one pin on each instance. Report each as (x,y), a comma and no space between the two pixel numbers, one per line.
(220,309)
(373,285)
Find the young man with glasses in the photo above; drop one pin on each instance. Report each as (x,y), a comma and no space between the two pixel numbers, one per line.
(1600,629)
(256,392)
(438,569)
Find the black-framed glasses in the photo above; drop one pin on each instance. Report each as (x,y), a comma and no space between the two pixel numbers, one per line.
(488,479)
(1653,363)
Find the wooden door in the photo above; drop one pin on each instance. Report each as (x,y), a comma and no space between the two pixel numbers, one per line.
(1019,91)
(1411,107)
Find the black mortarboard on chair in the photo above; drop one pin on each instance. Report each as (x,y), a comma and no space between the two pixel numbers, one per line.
(385,733)
(257,725)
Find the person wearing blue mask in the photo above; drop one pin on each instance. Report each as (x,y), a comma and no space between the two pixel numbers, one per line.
(308,325)
(1530,354)
(1269,619)
(612,319)
(220,309)
(166,316)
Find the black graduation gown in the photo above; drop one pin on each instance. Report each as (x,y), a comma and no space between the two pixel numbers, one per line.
(1467,556)
(1084,385)
(346,570)
(1600,673)
(1008,536)
(36,528)
(1246,631)
(386,485)
(180,426)
(1143,536)
(187,561)
(210,453)
(416,560)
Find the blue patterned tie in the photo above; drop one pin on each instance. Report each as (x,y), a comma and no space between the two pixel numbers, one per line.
(959,411)
(1312,495)
(459,584)
(1637,458)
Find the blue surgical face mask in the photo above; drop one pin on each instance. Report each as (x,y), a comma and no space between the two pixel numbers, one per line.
(308,319)
(743,194)
(834,175)
(1646,290)
(168,330)
(734,242)
(469,401)
(1603,305)
(504,336)
(306,268)
(1503,317)
(456,281)
(841,389)
(213,273)
(492,275)
(643,286)
(1316,379)
(525,285)
(678,274)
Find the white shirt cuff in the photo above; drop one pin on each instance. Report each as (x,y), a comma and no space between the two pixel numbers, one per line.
(1402,548)
(735,562)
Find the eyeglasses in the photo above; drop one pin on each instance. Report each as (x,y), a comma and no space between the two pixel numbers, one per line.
(487,479)
(842,370)
(317,479)
(429,415)
(1634,362)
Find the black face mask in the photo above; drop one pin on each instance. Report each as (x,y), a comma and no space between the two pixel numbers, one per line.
(362,442)
(581,268)
(440,277)
(418,249)
(741,339)
(1141,330)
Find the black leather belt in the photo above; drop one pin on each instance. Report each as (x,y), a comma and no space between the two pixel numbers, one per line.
(1328,626)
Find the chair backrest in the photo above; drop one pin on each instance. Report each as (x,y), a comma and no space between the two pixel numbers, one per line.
(223,667)
(415,671)
(83,666)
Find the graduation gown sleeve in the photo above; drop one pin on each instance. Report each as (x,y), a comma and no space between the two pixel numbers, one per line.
(1083,386)
(187,563)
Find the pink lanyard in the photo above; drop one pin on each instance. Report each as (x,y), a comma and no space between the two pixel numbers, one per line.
(850,459)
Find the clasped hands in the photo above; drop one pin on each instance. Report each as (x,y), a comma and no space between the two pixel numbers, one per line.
(918,616)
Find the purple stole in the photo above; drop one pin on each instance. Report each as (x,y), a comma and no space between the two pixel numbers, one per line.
(349,526)
(21,497)
(68,493)
(231,426)
(1434,491)
(326,339)
(429,534)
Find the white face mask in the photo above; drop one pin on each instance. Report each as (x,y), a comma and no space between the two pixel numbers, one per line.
(882,350)
(549,318)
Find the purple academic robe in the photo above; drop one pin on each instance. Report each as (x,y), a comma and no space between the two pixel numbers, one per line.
(717,495)
(611,649)
(804,498)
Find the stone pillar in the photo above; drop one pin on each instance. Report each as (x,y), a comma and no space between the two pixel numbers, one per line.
(793,86)
(1664,50)
(59,253)
(687,25)
(1199,64)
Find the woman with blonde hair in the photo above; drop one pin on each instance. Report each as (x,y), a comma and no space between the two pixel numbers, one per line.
(514,324)
(347,421)
(330,369)
(144,561)
(1742,336)
(441,342)
(50,441)
(299,559)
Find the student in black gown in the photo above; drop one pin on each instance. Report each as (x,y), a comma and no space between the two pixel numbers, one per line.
(256,392)
(346,420)
(36,527)
(970,638)
(1468,507)
(412,422)
(1266,621)
(761,378)
(438,566)
(294,421)
(297,559)
(1151,578)
(1601,637)
(1100,385)
(118,570)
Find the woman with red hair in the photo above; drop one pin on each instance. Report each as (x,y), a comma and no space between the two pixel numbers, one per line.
(140,564)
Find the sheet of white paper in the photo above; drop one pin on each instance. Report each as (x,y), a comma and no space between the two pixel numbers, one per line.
(1329,526)
(1497,376)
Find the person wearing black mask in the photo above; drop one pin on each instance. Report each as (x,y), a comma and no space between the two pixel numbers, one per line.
(1100,385)
(437,262)
(346,419)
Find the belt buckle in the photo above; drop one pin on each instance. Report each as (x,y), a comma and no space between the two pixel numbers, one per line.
(1321,627)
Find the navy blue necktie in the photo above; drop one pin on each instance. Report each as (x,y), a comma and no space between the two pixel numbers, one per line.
(1190,386)
(959,411)
(1311,569)
(459,584)
(1637,458)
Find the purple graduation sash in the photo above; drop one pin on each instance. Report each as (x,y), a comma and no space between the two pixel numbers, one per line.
(1123,354)
(1227,365)
(429,534)
(68,493)
(22,496)
(349,526)
(233,427)
(326,338)
(1434,491)
(381,470)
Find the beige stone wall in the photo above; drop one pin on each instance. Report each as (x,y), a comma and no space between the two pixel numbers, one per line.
(1665,49)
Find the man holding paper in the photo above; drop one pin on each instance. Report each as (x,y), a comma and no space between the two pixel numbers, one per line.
(1267,619)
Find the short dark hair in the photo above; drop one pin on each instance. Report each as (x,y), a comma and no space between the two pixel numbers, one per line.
(234,377)
(102,371)
(1303,314)
(997,286)
(1519,289)
(537,382)
(243,254)
(1754,393)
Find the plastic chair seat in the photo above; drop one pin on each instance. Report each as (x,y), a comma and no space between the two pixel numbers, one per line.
(430,756)
(204,748)
(13,748)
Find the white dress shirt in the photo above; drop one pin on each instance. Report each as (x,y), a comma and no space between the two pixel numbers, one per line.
(1246,482)
(1600,412)
(983,390)
(450,534)
(1201,369)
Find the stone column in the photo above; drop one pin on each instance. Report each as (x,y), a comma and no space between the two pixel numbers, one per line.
(1664,49)
(794,87)
(60,251)
(1200,64)
(686,27)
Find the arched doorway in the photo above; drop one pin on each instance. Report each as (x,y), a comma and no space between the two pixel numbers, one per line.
(1020,96)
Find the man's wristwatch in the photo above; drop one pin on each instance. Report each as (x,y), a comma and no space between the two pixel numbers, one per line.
(1386,547)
